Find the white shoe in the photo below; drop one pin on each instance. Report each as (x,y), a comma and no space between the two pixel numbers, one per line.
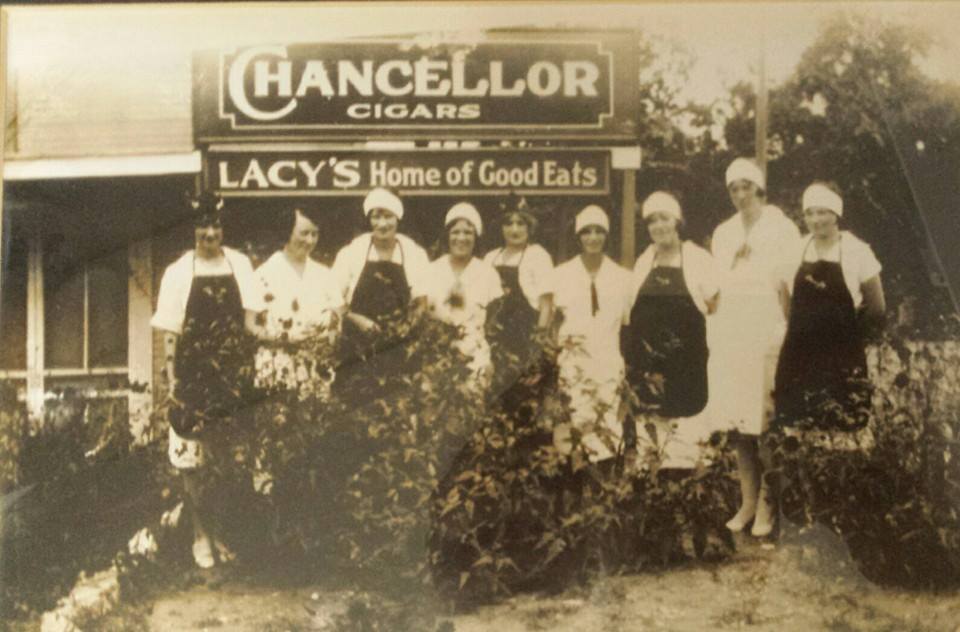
(203,553)
(223,552)
(762,524)
(740,521)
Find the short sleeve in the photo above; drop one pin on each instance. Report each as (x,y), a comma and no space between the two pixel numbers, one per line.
(342,269)
(418,272)
(251,294)
(493,289)
(868,266)
(709,275)
(541,271)
(551,282)
(333,288)
(263,277)
(170,301)
(787,260)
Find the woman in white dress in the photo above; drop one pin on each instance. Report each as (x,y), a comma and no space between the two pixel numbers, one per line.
(303,304)
(461,287)
(665,349)
(297,331)
(592,297)
(746,333)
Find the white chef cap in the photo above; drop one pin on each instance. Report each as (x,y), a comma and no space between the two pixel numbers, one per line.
(592,215)
(821,196)
(745,169)
(467,211)
(662,202)
(383,199)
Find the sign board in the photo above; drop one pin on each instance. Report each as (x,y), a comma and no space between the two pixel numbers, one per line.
(248,171)
(524,84)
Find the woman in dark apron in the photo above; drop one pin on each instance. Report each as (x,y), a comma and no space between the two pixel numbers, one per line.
(665,345)
(206,305)
(383,273)
(821,379)
(524,269)
(383,276)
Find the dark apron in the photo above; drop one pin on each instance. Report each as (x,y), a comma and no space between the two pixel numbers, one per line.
(211,363)
(383,295)
(511,321)
(667,341)
(822,371)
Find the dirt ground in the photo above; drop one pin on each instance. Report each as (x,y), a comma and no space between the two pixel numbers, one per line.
(805,582)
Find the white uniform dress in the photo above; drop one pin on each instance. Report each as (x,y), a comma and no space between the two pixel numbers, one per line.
(745,334)
(171,312)
(297,307)
(678,440)
(479,284)
(592,373)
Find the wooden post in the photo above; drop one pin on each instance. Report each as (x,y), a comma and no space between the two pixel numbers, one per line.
(762,106)
(35,325)
(628,219)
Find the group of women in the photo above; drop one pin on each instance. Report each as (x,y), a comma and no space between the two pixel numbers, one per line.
(695,335)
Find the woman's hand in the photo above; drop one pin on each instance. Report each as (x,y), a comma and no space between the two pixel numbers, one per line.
(365,325)
(173,385)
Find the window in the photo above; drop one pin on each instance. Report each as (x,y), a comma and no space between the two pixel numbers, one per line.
(13,307)
(85,312)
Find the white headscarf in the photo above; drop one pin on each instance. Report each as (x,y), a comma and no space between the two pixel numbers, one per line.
(746,169)
(467,211)
(592,215)
(820,196)
(383,199)
(662,202)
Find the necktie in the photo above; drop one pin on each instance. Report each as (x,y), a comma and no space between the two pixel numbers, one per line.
(594,301)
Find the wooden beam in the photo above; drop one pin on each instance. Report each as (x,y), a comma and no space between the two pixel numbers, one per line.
(628,219)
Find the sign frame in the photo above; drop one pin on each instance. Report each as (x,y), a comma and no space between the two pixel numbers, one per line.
(617,123)
(211,153)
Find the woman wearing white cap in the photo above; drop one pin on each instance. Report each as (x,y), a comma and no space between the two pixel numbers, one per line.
(747,330)
(665,346)
(592,295)
(822,373)
(381,273)
(462,286)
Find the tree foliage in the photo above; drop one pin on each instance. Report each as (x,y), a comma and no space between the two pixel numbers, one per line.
(858,111)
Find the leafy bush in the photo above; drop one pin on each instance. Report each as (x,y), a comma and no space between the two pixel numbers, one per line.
(420,479)
(892,490)
(74,494)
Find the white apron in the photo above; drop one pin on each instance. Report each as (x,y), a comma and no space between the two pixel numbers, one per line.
(745,334)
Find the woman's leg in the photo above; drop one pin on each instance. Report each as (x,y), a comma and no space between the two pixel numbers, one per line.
(748,469)
(193,500)
(767,496)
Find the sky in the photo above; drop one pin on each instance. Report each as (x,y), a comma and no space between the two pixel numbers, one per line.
(725,38)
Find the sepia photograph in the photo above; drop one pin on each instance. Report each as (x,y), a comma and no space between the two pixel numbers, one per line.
(462,316)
